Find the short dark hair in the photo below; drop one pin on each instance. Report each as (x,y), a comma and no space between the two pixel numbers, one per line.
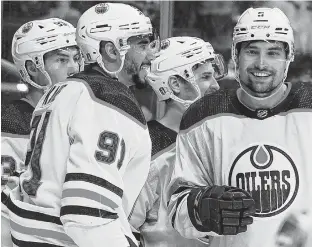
(181,79)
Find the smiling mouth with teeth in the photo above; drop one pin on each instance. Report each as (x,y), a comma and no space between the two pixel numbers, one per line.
(260,74)
(144,66)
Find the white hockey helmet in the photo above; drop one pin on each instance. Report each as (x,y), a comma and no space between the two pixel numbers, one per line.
(263,24)
(114,22)
(34,39)
(178,55)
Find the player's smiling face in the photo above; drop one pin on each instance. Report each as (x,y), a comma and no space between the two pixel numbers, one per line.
(261,66)
(204,78)
(138,56)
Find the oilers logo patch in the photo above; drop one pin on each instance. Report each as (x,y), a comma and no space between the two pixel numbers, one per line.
(269,174)
(164,44)
(26,28)
(101,8)
(61,23)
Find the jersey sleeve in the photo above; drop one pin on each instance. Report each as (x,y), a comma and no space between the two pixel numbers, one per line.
(147,198)
(13,152)
(192,169)
(93,186)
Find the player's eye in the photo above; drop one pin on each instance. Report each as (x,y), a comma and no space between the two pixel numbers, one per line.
(77,58)
(273,53)
(207,75)
(195,66)
(63,60)
(252,52)
(143,46)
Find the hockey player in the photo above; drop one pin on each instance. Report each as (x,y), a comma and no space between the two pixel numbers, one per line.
(89,153)
(45,52)
(181,73)
(243,162)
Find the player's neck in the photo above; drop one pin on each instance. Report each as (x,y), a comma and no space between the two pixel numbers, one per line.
(259,103)
(34,95)
(173,115)
(124,78)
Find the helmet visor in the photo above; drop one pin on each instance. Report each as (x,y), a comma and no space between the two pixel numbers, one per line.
(220,67)
(146,43)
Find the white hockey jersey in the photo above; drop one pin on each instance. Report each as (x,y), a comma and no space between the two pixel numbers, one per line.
(15,132)
(88,159)
(266,152)
(150,214)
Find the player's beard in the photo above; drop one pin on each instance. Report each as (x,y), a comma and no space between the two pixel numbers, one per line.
(136,75)
(262,87)
(137,81)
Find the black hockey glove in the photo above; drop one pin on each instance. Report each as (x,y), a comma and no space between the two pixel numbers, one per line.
(224,210)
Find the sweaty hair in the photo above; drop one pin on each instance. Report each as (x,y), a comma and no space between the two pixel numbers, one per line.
(181,79)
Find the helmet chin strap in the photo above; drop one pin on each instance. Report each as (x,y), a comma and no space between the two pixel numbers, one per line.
(187,103)
(45,73)
(264,98)
(286,70)
(123,52)
(35,85)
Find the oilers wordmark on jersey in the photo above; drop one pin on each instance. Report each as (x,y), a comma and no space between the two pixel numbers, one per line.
(269,174)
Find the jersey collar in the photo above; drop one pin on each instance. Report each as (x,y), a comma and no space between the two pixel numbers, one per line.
(263,113)
(98,70)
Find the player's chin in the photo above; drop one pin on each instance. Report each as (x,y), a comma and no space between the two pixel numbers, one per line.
(261,89)
(260,93)
(210,90)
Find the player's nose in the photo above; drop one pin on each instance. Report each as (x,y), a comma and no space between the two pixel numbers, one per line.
(150,56)
(152,50)
(261,62)
(213,87)
(73,68)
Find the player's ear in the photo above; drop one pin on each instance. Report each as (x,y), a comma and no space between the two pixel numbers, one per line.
(108,51)
(174,84)
(31,68)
